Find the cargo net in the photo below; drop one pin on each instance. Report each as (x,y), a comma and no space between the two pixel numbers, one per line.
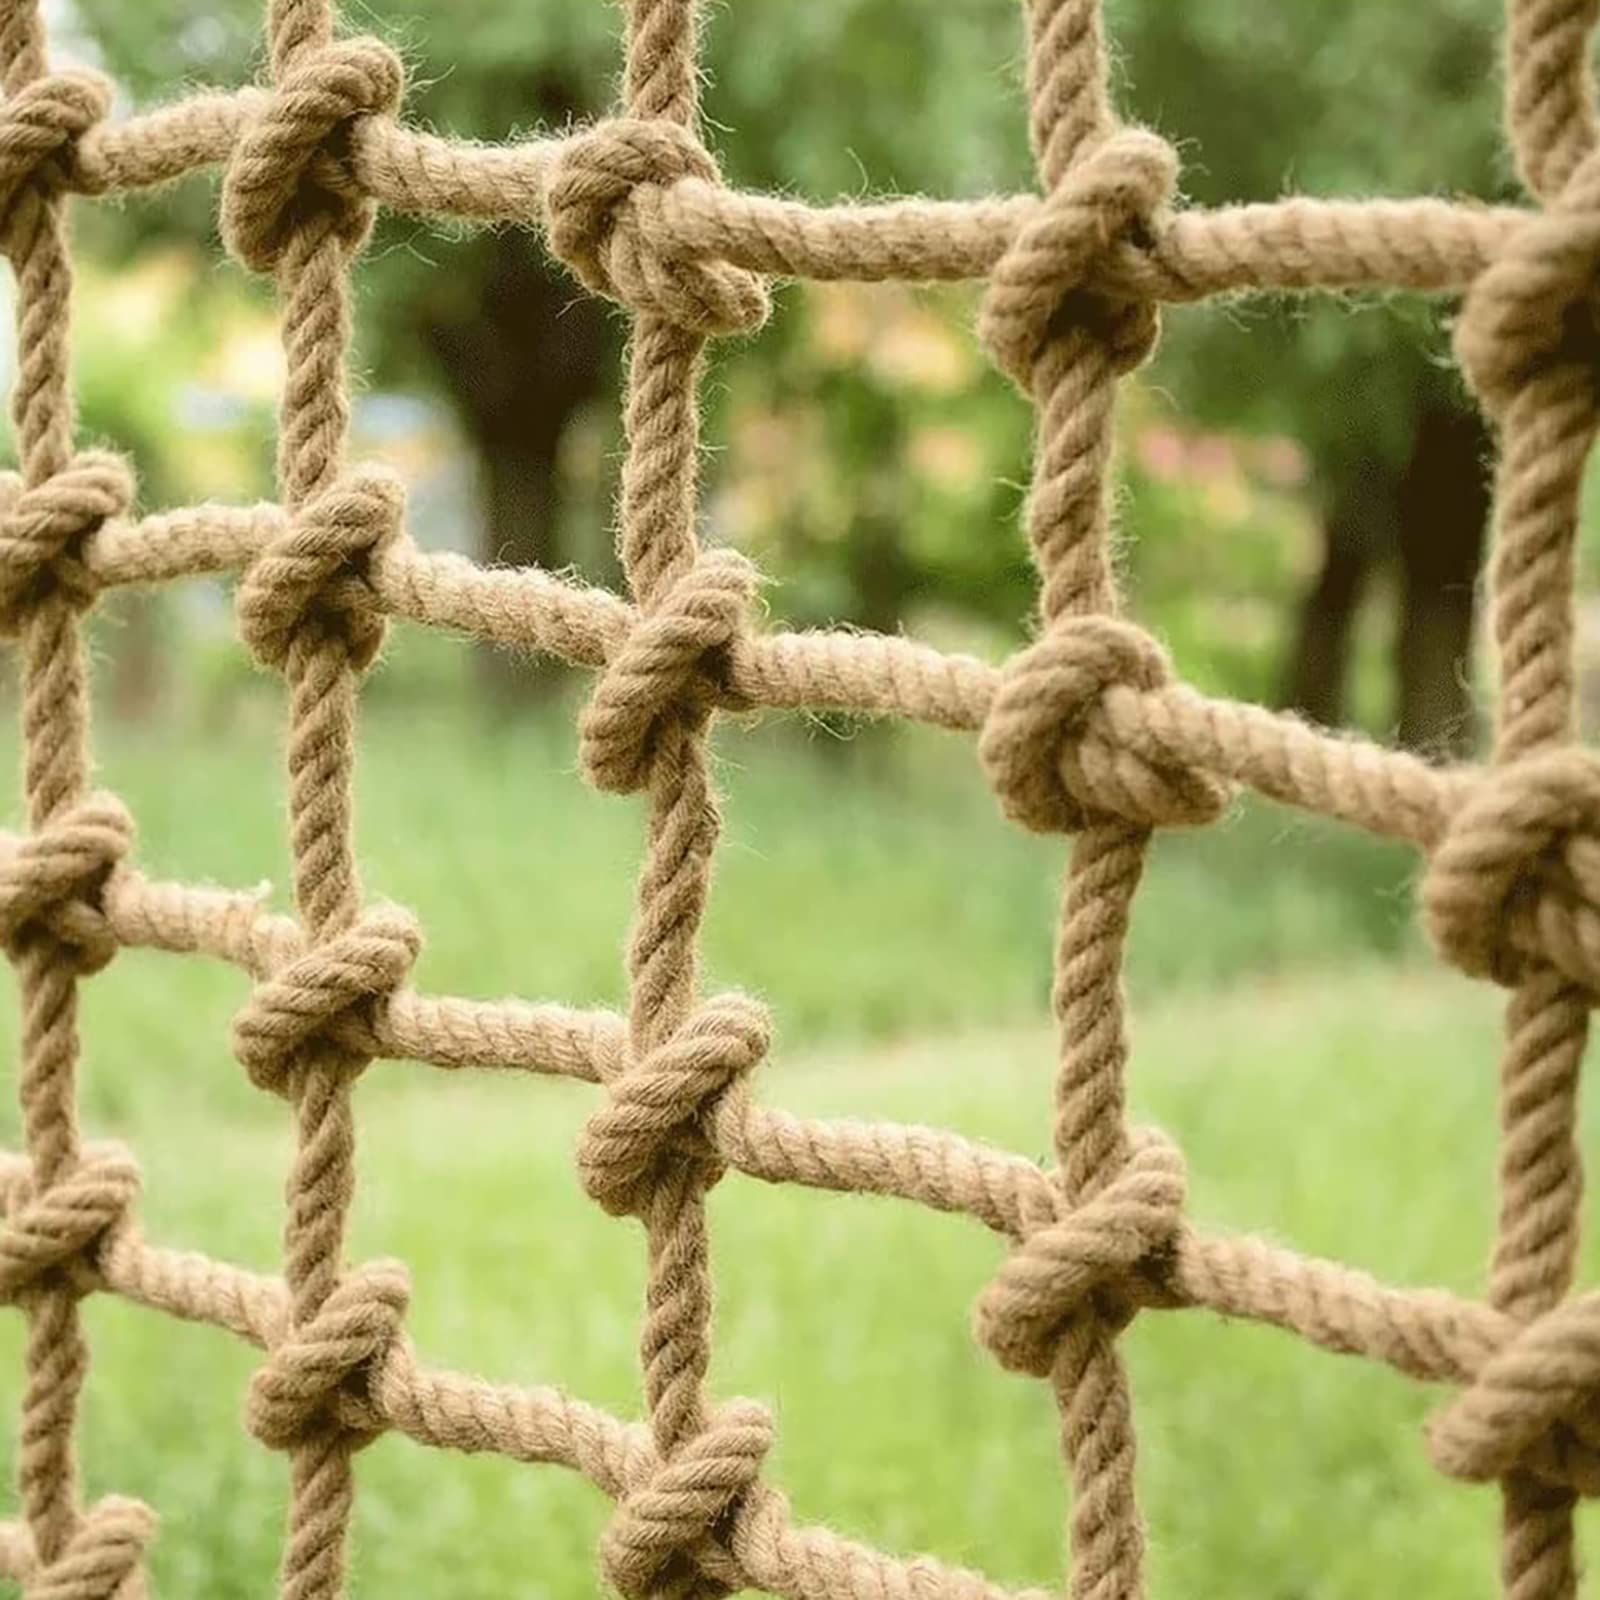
(1085,732)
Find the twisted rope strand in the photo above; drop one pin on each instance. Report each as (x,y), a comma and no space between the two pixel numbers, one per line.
(1537,387)
(53,512)
(646,727)
(303,610)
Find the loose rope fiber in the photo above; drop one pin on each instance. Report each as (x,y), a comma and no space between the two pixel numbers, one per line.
(1087,731)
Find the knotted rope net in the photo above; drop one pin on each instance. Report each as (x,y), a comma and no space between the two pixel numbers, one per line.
(1087,731)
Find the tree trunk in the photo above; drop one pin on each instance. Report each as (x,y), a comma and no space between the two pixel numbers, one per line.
(881,578)
(520,351)
(1443,512)
(520,498)
(1352,537)
(136,649)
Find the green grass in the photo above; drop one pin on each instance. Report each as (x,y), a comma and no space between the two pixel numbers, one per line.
(1353,1119)
(867,885)
(901,933)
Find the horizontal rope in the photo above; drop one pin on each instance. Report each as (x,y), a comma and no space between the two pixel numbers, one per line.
(1299,244)
(1428,1334)
(524,608)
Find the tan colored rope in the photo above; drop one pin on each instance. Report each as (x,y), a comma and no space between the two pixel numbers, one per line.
(1087,731)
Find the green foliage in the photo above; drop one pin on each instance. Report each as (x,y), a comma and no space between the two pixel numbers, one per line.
(843,96)
(870,458)
(828,97)
(1350,100)
(1218,544)
(173,365)
(869,490)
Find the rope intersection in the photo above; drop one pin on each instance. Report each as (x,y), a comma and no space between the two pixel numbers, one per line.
(1087,731)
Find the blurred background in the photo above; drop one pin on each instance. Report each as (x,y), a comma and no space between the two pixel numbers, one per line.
(1302,505)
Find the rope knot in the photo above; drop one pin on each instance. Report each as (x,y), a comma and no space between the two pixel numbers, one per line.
(1532,309)
(51,881)
(334,985)
(39,127)
(289,169)
(1513,884)
(313,579)
(683,1502)
(1048,753)
(41,1232)
(1040,286)
(101,1559)
(1106,1257)
(318,1374)
(604,223)
(1533,1407)
(669,663)
(657,1109)
(43,530)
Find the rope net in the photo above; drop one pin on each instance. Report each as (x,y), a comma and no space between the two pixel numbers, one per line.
(1085,732)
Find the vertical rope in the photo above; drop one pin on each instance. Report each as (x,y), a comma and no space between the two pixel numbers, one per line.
(1547,427)
(658,544)
(313,425)
(1069,104)
(1073,384)
(1550,92)
(1068,516)
(55,715)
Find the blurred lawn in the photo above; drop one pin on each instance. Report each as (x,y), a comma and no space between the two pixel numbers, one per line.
(1351,1119)
(901,932)
(867,885)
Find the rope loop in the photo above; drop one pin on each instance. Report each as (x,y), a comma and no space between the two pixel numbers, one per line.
(51,881)
(682,1503)
(337,983)
(317,1376)
(41,1232)
(314,578)
(40,126)
(657,1110)
(102,1558)
(604,222)
(43,530)
(1038,291)
(1107,1258)
(288,168)
(668,665)
(1513,884)
(1533,309)
(1046,749)
(1534,1406)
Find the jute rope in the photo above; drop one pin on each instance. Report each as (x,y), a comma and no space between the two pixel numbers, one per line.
(1087,731)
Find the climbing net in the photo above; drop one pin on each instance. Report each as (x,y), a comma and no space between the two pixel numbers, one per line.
(1084,732)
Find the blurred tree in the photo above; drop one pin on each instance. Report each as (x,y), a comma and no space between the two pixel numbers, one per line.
(1345,98)
(873,462)
(835,95)
(500,334)
(841,96)
(158,338)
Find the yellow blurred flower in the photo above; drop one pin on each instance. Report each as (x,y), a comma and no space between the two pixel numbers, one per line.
(892,330)
(918,350)
(948,456)
(840,321)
